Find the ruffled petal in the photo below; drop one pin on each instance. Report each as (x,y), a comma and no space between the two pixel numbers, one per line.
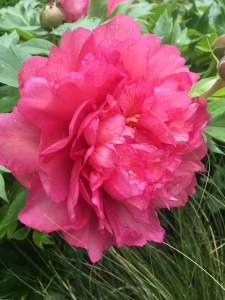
(19,143)
(40,212)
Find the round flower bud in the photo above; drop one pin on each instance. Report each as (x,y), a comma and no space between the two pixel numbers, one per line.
(219,46)
(51,17)
(221,68)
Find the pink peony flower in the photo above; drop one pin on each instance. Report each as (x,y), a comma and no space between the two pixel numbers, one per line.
(74,9)
(105,133)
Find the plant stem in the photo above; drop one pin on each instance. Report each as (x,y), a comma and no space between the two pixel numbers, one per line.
(220,83)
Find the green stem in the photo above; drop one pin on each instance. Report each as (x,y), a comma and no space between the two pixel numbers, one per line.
(210,68)
(220,83)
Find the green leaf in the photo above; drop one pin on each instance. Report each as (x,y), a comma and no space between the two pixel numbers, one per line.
(98,9)
(8,98)
(2,189)
(41,238)
(7,39)
(204,49)
(216,127)
(14,208)
(213,147)
(202,86)
(36,46)
(121,8)
(24,18)
(87,22)
(9,229)
(178,37)
(203,22)
(20,234)
(4,169)
(163,27)
(11,61)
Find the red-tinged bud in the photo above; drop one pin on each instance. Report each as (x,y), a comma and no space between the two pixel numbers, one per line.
(219,46)
(51,17)
(221,68)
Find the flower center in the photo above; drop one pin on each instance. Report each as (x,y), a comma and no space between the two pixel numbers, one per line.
(133,119)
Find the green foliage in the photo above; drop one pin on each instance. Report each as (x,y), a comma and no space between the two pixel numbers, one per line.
(24,18)
(86,22)
(36,47)
(216,127)
(203,86)
(41,238)
(163,27)
(98,9)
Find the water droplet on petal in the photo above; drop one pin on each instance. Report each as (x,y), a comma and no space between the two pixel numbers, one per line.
(43,63)
(131,30)
(58,69)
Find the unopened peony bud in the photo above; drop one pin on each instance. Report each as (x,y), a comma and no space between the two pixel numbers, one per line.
(219,46)
(221,68)
(51,17)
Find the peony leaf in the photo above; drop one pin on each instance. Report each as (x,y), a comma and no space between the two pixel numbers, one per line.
(213,147)
(216,127)
(36,46)
(202,86)
(13,210)
(24,18)
(11,61)
(8,98)
(3,169)
(203,22)
(7,39)
(87,22)
(163,27)
(178,37)
(20,234)
(41,238)
(123,7)
(98,9)
(2,189)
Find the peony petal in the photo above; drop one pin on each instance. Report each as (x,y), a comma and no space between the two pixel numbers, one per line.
(120,27)
(91,238)
(74,190)
(118,185)
(103,157)
(55,175)
(29,68)
(76,39)
(111,130)
(131,226)
(40,212)
(19,143)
